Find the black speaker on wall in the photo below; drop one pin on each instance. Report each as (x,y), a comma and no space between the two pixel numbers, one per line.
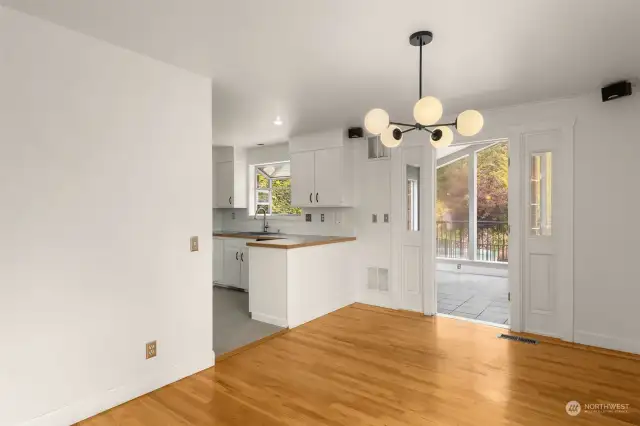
(616,90)
(356,132)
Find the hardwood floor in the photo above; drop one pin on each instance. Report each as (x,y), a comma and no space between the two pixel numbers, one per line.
(370,366)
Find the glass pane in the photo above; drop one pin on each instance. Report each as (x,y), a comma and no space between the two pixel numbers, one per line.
(413,198)
(492,238)
(281,197)
(452,210)
(540,203)
(263,196)
(261,207)
(261,181)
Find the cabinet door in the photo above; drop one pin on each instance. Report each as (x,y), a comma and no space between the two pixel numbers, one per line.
(328,177)
(302,179)
(218,260)
(244,268)
(224,185)
(231,268)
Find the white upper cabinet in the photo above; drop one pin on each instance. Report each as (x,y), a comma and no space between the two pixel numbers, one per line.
(321,170)
(230,179)
(329,177)
(303,178)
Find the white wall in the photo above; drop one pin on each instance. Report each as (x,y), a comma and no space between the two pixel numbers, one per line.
(105,173)
(605,232)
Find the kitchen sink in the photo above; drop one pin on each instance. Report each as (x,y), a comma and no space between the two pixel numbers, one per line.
(260,234)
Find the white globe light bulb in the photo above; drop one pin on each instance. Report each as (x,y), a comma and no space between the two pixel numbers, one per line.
(427,111)
(376,121)
(469,122)
(391,137)
(441,137)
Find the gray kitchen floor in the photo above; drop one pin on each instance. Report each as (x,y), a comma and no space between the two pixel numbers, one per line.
(232,326)
(478,297)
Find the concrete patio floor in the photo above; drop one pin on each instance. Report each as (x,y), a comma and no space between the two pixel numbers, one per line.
(480,297)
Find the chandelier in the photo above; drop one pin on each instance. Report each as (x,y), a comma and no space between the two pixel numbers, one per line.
(427,111)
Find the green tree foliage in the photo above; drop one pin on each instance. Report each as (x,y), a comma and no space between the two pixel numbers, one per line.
(453,191)
(453,187)
(493,183)
(281,197)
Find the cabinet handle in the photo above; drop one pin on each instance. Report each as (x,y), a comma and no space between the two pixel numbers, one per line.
(242,257)
(317,198)
(311,197)
(229,200)
(236,255)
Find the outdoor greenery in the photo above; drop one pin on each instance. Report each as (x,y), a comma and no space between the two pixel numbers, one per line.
(452,202)
(280,195)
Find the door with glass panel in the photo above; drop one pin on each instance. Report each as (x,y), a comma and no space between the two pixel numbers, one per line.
(412,254)
(547,299)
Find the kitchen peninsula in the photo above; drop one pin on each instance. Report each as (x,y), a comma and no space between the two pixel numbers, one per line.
(294,279)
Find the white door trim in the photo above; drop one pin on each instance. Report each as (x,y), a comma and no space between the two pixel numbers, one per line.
(563,223)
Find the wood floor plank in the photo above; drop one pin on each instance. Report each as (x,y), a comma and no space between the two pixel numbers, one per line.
(367,366)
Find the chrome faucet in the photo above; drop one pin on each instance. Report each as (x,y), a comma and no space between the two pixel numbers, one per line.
(265,225)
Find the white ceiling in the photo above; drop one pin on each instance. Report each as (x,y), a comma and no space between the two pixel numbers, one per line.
(321,64)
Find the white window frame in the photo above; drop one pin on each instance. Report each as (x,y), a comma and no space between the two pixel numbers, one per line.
(254,170)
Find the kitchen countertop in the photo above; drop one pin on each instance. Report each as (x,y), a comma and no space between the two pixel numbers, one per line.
(285,241)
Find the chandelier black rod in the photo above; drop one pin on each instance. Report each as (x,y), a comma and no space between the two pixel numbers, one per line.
(420,76)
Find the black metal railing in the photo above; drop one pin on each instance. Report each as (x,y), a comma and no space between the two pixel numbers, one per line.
(492,240)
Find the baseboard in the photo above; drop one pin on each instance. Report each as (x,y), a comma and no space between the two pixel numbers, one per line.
(269,319)
(251,345)
(106,400)
(607,342)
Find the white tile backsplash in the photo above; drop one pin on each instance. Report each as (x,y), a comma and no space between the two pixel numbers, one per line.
(223,222)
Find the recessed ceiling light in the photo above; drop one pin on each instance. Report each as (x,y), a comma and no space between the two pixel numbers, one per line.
(277,121)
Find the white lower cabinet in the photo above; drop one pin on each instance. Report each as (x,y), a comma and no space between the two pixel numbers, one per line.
(244,269)
(231,267)
(233,256)
(218,260)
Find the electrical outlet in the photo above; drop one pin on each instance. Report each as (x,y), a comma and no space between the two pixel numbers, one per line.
(321,217)
(233,215)
(307,217)
(386,218)
(374,218)
(152,349)
(459,266)
(194,243)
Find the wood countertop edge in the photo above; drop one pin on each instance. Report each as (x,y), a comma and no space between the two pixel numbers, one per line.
(300,245)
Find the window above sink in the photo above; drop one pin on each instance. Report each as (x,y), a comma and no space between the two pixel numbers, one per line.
(271,189)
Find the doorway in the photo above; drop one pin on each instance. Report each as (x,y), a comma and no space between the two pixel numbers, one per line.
(472,231)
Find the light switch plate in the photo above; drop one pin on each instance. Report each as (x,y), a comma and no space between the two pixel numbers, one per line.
(321,217)
(386,218)
(194,243)
(374,218)
(307,217)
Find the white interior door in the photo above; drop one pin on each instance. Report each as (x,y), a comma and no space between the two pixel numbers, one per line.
(328,177)
(302,178)
(546,239)
(412,227)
